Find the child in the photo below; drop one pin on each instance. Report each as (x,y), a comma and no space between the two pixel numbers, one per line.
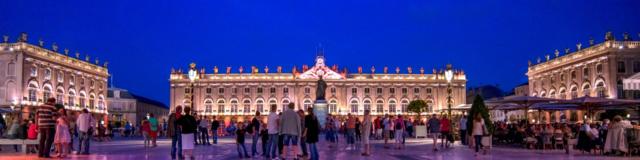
(264,134)
(240,133)
(32,134)
(146,128)
(62,135)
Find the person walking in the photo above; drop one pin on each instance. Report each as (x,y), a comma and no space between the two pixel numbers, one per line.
(272,129)
(386,127)
(445,126)
(255,133)
(478,130)
(434,128)
(46,124)
(358,130)
(240,136)
(264,136)
(311,133)
(366,132)
(303,142)
(175,132)
(188,127)
(330,131)
(215,125)
(154,126)
(204,133)
(85,123)
(399,129)
(146,132)
(291,129)
(463,130)
(62,137)
(351,132)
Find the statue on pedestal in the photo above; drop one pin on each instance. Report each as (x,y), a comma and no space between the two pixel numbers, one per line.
(320,90)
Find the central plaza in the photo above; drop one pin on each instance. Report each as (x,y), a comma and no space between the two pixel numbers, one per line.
(417,149)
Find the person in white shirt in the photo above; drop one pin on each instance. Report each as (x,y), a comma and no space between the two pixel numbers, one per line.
(204,133)
(85,124)
(272,130)
(463,130)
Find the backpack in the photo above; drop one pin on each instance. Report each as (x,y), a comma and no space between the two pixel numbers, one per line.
(398,126)
(249,128)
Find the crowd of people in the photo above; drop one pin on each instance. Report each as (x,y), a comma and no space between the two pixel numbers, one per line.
(55,128)
(609,137)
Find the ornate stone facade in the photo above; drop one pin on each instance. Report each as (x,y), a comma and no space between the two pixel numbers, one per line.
(596,70)
(30,74)
(243,93)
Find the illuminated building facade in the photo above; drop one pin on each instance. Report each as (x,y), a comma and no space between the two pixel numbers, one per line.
(242,93)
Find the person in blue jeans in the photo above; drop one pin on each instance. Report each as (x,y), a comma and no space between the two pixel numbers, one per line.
(175,133)
(240,136)
(312,133)
(272,130)
(254,131)
(214,129)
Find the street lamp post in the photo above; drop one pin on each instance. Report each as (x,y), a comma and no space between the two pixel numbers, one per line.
(193,76)
(448,74)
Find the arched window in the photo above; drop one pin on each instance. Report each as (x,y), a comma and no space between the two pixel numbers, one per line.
(33,90)
(552,94)
(586,89)
(260,105)
(404,104)
(60,95)
(234,106)
(46,92)
(72,96)
(246,106)
(367,105)
(333,106)
(92,100)
(273,102)
(379,106)
(574,92)
(392,106)
(601,91)
(285,104)
(307,104)
(82,99)
(208,105)
(354,106)
(221,108)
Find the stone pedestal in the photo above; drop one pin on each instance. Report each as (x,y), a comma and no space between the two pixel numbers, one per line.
(320,108)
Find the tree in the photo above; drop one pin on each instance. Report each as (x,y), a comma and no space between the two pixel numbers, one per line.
(478,107)
(610,113)
(417,106)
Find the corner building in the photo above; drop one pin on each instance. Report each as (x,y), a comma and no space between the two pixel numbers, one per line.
(238,94)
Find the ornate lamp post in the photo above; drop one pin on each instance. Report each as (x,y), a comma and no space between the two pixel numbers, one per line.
(193,76)
(448,74)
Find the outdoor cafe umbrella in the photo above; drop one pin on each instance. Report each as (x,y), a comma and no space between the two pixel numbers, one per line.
(599,103)
(521,102)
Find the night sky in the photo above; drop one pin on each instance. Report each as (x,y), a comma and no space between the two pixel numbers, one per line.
(143,39)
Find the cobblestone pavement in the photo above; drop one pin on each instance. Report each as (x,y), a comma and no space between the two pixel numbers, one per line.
(416,149)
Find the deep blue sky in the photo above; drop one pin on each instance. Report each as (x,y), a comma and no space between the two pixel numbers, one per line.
(143,39)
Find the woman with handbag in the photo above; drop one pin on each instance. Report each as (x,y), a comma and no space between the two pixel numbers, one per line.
(478,130)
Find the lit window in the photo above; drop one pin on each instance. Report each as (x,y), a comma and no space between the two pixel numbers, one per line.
(60,77)
(34,71)
(47,74)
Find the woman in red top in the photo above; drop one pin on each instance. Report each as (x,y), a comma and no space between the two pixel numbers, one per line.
(445,127)
(32,134)
(146,130)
